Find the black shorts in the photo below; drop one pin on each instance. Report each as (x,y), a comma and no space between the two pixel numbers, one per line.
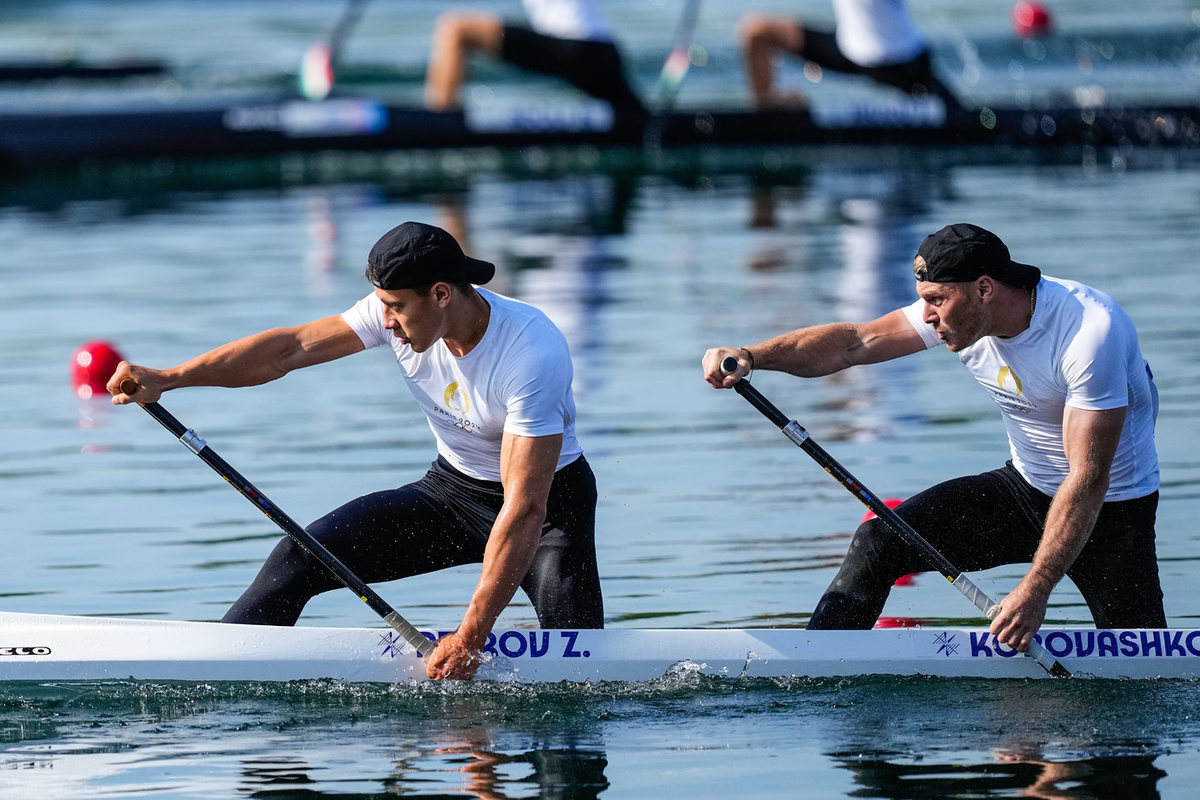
(592,67)
(442,520)
(994,518)
(914,77)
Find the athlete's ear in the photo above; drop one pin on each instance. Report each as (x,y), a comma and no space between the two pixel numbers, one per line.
(985,286)
(441,292)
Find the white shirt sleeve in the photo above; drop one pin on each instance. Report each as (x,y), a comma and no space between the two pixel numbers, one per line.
(365,318)
(1094,365)
(914,313)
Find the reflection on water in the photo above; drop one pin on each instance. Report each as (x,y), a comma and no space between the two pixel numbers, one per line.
(683,735)
(465,766)
(1133,776)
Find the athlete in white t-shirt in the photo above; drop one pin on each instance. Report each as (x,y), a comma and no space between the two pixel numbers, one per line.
(510,488)
(569,39)
(876,38)
(1078,498)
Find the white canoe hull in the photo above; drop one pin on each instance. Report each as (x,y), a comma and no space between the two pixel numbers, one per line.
(41,647)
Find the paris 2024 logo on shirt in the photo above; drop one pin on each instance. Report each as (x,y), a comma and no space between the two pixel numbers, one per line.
(1008,389)
(455,399)
(456,406)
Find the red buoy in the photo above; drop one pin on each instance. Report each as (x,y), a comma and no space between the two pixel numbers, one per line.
(92,366)
(1030,18)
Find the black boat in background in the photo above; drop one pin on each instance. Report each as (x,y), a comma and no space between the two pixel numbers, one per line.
(31,71)
(58,138)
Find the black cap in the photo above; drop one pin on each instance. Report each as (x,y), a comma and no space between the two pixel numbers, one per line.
(414,255)
(963,252)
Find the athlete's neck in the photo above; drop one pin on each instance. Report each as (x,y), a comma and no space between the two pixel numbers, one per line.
(469,323)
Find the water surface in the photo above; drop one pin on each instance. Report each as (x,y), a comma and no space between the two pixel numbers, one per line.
(707,518)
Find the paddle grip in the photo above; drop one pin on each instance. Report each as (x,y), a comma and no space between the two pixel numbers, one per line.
(128,386)
(755,398)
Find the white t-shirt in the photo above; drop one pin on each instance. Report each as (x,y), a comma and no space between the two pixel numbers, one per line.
(875,33)
(517,380)
(568,19)
(1080,350)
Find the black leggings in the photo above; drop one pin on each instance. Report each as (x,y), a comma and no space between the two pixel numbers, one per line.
(443,520)
(995,518)
(915,77)
(592,67)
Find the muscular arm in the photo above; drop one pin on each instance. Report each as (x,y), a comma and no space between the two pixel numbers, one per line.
(1090,439)
(820,350)
(249,361)
(526,470)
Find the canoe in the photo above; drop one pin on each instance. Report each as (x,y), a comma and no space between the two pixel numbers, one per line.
(65,137)
(50,70)
(43,647)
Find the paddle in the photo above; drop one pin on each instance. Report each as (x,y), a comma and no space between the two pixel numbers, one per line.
(674,70)
(792,430)
(679,61)
(302,537)
(316,70)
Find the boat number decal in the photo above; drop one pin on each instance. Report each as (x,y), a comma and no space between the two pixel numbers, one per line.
(511,644)
(25,651)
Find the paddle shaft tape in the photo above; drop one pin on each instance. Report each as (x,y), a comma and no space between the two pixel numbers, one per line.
(792,430)
(302,537)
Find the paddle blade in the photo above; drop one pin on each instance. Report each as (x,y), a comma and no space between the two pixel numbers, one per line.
(673,72)
(316,72)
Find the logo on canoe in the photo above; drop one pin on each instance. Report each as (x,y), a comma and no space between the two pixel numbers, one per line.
(946,643)
(25,651)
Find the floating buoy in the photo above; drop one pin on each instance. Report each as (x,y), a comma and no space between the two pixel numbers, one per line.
(92,366)
(1030,18)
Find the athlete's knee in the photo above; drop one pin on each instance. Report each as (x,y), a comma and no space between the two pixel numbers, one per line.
(871,541)
(758,31)
(292,570)
(459,32)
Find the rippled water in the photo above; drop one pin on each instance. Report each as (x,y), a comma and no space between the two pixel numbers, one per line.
(708,517)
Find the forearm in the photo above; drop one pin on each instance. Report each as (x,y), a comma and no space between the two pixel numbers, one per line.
(506,561)
(248,361)
(1069,524)
(808,352)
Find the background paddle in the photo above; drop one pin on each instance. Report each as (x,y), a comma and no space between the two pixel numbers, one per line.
(792,430)
(679,61)
(320,60)
(674,70)
(302,537)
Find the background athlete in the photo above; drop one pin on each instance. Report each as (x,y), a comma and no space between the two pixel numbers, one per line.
(874,38)
(569,39)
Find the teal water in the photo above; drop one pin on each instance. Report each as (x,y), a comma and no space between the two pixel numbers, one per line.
(707,516)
